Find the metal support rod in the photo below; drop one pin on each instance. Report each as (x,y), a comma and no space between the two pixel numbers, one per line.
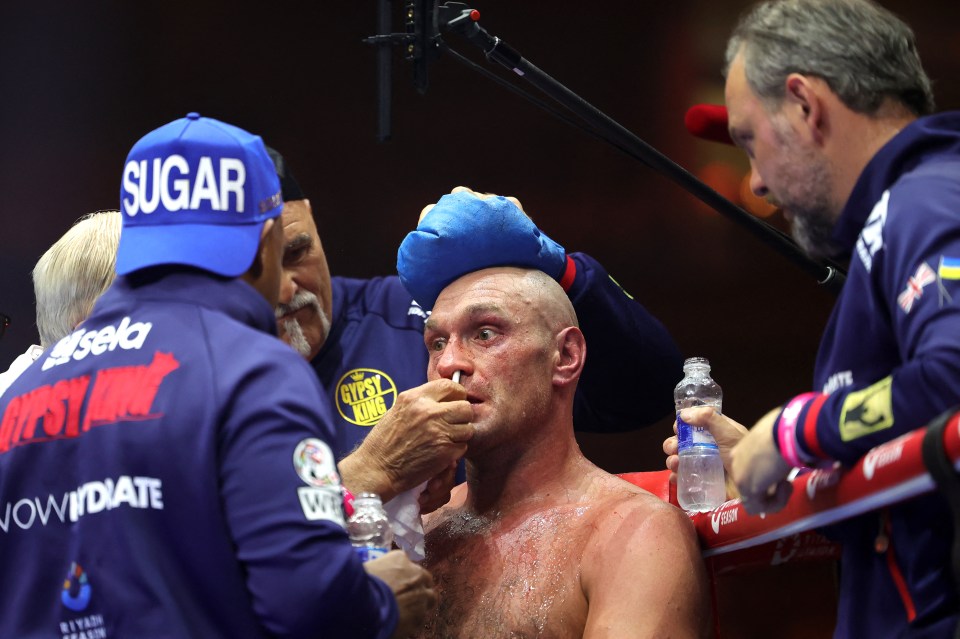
(458,18)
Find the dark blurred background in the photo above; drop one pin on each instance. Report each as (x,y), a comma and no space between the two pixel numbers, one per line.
(81,82)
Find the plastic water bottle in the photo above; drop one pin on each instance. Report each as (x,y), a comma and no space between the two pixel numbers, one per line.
(369,527)
(700,482)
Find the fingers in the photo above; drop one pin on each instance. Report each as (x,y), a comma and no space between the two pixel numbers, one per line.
(441,390)
(769,501)
(670,450)
(725,431)
(460,434)
(424,211)
(483,196)
(441,400)
(781,496)
(670,446)
(702,416)
(424,579)
(673,463)
(442,482)
(437,491)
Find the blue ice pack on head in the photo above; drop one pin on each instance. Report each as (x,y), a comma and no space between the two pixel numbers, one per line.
(464,233)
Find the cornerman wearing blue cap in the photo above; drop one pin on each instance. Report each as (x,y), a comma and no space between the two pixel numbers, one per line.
(165,470)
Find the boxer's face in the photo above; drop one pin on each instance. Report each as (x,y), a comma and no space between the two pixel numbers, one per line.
(503,329)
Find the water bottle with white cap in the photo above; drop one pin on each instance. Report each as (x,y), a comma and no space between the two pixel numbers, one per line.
(700,482)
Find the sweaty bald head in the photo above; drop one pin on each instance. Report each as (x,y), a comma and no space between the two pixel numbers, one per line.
(531,296)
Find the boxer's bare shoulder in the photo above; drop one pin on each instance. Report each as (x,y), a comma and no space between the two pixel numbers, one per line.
(548,567)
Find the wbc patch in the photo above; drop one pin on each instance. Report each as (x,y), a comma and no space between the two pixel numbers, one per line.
(322,497)
(313,460)
(867,411)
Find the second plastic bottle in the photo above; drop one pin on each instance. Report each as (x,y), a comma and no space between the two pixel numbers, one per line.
(700,480)
(369,527)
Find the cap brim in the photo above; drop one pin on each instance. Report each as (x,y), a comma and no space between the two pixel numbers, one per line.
(708,122)
(226,250)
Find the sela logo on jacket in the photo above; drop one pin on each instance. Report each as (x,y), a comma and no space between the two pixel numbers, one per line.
(81,343)
(321,498)
(867,411)
(172,185)
(364,395)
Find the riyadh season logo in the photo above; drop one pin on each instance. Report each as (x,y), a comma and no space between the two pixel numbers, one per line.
(88,627)
(881,456)
(726,515)
(822,478)
(785,549)
(75,596)
(76,589)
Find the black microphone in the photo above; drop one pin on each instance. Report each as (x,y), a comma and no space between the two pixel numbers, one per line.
(421,27)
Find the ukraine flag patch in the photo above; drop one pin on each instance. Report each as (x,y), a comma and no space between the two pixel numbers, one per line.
(949,268)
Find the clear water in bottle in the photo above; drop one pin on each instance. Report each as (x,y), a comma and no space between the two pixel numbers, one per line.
(700,479)
(369,527)
(700,482)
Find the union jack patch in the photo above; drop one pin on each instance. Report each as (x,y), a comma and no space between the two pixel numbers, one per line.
(915,284)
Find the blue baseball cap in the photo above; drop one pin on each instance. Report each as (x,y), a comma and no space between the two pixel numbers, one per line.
(196,192)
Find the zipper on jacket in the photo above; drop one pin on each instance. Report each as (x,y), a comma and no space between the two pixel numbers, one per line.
(883,544)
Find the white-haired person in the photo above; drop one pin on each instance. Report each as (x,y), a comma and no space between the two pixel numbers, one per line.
(67,280)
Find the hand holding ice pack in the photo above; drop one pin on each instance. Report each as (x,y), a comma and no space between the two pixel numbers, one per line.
(465,233)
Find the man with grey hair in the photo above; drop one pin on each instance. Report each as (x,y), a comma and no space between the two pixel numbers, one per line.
(831,103)
(67,280)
